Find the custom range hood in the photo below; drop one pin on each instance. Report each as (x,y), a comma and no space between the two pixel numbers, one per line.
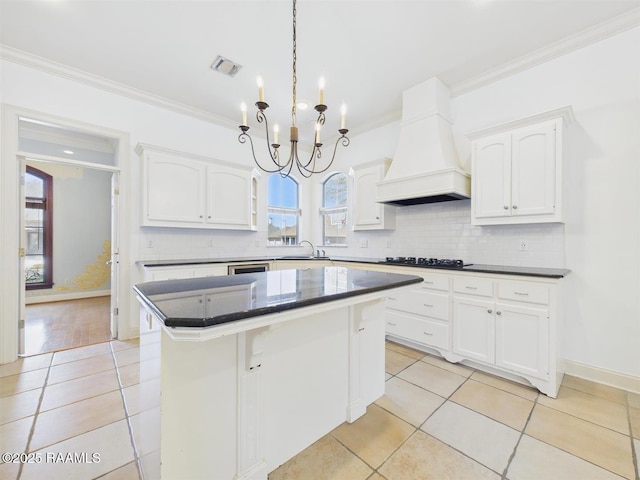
(425,168)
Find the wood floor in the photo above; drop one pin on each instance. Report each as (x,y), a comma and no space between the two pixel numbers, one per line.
(55,326)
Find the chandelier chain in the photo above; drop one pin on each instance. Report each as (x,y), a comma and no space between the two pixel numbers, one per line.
(295,78)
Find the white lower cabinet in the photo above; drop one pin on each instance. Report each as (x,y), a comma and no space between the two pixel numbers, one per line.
(496,322)
(474,329)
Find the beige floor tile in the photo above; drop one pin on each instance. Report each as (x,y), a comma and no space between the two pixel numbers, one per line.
(79,389)
(376,476)
(596,444)
(423,457)
(79,353)
(523,391)
(598,389)
(111,442)
(434,379)
(117,345)
(409,402)
(26,364)
(456,368)
(127,357)
(403,349)
(374,436)
(128,472)
(146,431)
(502,406)
(387,376)
(80,368)
(535,460)
(326,459)
(14,435)
(395,362)
(634,418)
(150,465)
(19,406)
(62,423)
(138,398)
(129,374)
(482,439)
(636,447)
(633,399)
(14,384)
(589,407)
(9,471)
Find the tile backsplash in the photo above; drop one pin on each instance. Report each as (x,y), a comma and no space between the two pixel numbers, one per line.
(441,230)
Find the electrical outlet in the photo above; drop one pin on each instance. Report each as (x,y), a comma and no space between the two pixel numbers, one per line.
(257,244)
(524,245)
(388,243)
(364,243)
(211,243)
(149,243)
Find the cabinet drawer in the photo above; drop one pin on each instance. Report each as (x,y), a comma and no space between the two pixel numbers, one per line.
(473,286)
(170,274)
(421,302)
(419,330)
(524,292)
(435,282)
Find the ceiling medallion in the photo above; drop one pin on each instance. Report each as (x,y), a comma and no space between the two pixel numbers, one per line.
(314,163)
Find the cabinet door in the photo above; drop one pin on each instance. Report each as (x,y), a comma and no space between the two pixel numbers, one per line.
(174,189)
(474,329)
(228,197)
(522,339)
(533,189)
(491,179)
(367,213)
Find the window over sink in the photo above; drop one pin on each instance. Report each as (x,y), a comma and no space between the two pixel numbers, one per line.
(283,212)
(334,210)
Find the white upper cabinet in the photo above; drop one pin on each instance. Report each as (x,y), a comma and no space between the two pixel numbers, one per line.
(517,170)
(183,190)
(367,213)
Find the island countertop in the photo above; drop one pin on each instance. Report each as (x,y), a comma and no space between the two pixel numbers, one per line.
(211,301)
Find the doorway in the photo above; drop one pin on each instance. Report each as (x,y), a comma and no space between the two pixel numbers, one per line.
(125,314)
(67,224)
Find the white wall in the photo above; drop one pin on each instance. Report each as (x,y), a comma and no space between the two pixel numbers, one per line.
(599,242)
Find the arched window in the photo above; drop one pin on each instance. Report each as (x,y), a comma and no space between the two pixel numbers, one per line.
(334,210)
(39,229)
(282,210)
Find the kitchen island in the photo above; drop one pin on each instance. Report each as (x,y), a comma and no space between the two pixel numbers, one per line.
(254,368)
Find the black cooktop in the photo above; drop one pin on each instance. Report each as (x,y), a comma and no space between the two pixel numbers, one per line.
(427,262)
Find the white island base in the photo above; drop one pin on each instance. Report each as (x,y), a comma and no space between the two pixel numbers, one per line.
(242,398)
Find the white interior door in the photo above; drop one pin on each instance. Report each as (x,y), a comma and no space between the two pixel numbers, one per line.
(115,253)
(23,249)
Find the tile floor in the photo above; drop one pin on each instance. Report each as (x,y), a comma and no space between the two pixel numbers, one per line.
(55,326)
(436,421)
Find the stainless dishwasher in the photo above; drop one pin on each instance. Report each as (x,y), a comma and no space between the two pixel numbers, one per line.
(247,268)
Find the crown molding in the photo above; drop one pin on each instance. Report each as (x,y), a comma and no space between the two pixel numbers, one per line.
(48,66)
(619,24)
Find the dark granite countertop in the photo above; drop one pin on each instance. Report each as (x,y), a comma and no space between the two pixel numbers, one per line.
(209,301)
(479,268)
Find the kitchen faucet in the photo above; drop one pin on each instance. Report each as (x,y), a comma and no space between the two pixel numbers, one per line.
(313,249)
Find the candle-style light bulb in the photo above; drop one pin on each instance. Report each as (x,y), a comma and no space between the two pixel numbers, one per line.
(343,114)
(276,129)
(260,83)
(321,91)
(243,109)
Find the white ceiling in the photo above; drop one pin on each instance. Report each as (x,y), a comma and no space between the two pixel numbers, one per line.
(368,51)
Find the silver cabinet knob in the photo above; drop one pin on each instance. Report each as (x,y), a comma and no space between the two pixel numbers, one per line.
(498,312)
(506,207)
(515,207)
(489,311)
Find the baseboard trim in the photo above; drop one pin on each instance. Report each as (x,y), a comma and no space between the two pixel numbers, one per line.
(623,381)
(59,297)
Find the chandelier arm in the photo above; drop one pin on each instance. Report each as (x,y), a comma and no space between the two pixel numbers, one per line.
(242,138)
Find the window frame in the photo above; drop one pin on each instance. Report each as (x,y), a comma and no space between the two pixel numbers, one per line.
(342,208)
(294,211)
(47,226)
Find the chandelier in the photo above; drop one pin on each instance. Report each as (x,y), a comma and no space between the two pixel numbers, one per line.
(314,163)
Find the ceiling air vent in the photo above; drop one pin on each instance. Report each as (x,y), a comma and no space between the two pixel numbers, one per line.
(225,66)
